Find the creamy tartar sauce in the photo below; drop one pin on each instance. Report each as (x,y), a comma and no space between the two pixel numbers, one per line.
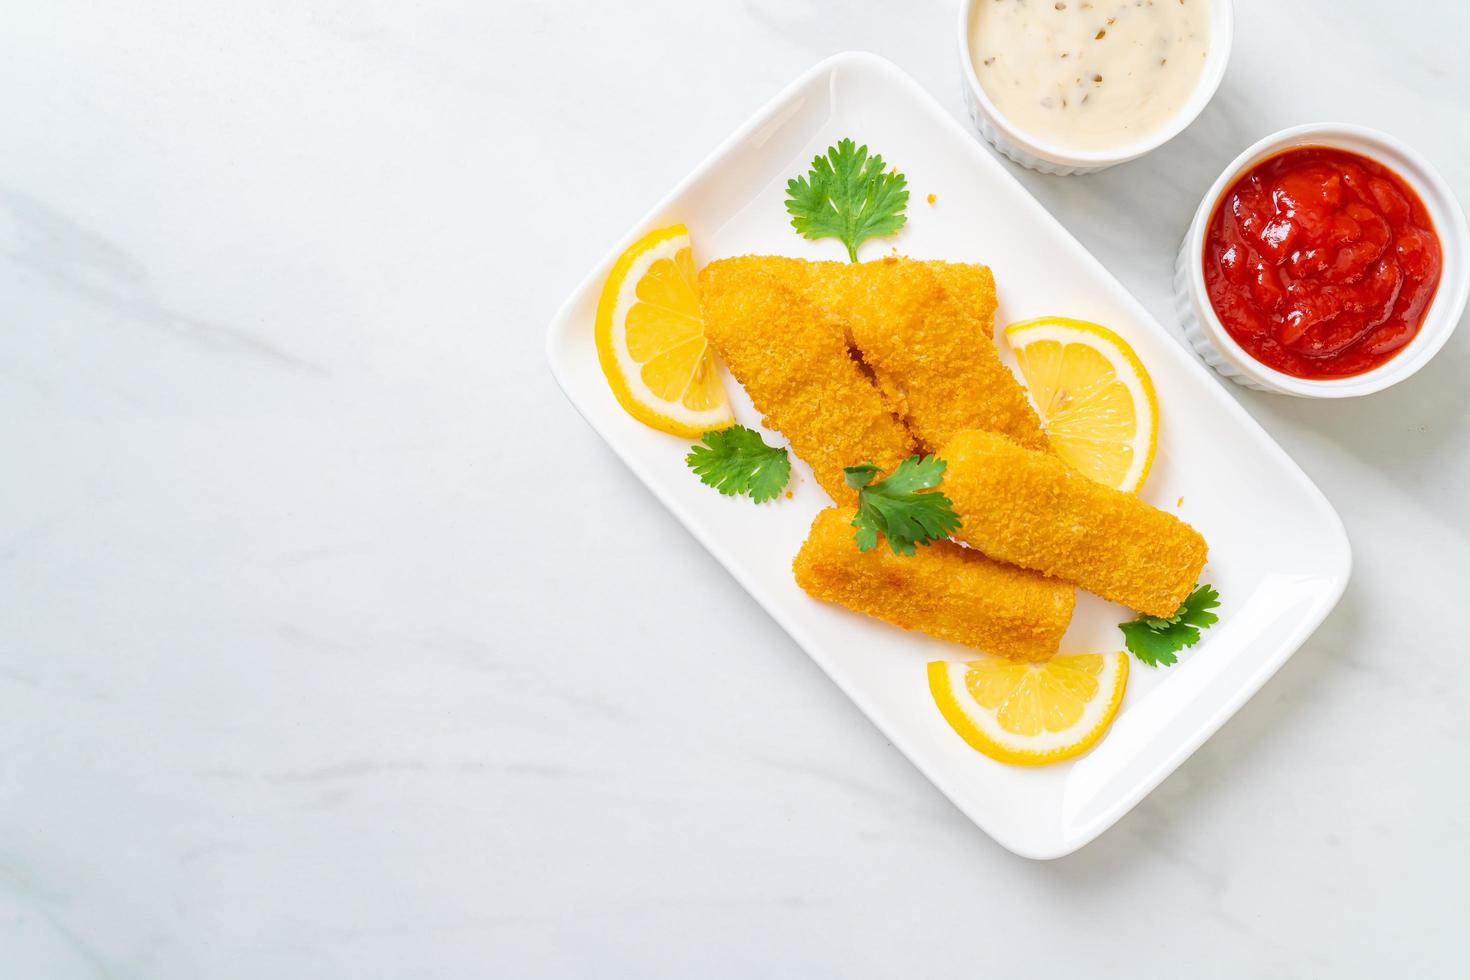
(1089,74)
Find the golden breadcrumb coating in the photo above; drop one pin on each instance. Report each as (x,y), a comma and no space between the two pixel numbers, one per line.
(793,360)
(943,590)
(926,328)
(1031,509)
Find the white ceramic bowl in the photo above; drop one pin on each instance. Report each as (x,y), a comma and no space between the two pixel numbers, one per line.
(1049,158)
(1208,336)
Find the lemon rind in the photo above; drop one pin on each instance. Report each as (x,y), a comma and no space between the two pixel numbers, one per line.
(618,295)
(942,688)
(1138,380)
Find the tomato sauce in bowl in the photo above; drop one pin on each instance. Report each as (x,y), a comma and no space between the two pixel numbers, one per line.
(1321,263)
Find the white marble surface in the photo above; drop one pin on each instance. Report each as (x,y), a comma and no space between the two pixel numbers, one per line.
(334,644)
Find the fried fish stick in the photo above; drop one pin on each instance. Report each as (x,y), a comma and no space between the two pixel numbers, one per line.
(943,590)
(794,363)
(925,329)
(1031,509)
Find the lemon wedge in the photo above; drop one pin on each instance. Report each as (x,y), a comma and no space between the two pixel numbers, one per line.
(650,338)
(1031,714)
(1093,395)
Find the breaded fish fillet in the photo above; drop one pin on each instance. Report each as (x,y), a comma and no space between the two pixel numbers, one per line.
(1031,509)
(793,360)
(944,590)
(926,331)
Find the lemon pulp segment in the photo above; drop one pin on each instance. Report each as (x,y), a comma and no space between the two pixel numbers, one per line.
(650,338)
(1093,395)
(1031,714)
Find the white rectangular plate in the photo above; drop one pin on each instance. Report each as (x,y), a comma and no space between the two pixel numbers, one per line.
(1279,554)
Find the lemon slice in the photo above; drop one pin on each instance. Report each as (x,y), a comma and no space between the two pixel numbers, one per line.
(1094,396)
(650,338)
(1031,714)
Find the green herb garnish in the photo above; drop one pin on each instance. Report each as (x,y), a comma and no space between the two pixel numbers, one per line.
(1155,641)
(737,460)
(902,506)
(847,196)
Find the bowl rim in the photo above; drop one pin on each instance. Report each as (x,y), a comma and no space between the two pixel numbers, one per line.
(1445,310)
(1222,37)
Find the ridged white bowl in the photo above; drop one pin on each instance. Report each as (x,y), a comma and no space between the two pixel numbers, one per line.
(1205,332)
(1048,158)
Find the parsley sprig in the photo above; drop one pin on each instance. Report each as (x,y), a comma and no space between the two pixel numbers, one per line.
(737,460)
(902,506)
(847,196)
(1155,641)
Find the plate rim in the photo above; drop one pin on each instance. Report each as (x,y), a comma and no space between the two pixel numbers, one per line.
(1338,552)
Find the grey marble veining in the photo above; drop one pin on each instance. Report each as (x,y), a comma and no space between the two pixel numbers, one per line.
(299,678)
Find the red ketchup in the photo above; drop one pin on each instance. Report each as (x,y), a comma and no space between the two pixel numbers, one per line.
(1321,263)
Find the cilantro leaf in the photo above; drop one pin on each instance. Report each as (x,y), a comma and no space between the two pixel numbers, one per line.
(902,506)
(1155,641)
(1196,609)
(737,460)
(847,196)
(1154,647)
